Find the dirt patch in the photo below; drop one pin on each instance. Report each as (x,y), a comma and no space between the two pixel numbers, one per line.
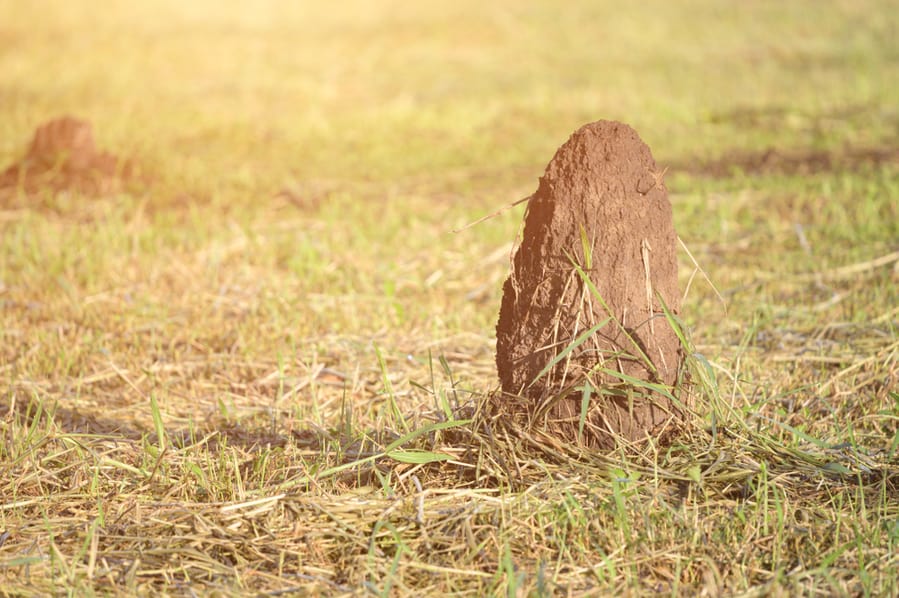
(602,204)
(773,161)
(64,156)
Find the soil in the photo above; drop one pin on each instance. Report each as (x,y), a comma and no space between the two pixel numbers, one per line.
(603,192)
(64,156)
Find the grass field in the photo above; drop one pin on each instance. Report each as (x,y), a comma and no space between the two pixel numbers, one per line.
(257,371)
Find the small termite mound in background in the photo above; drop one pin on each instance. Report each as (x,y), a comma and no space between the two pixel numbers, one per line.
(64,157)
(583,337)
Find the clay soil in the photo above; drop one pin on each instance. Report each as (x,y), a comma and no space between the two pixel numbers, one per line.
(603,205)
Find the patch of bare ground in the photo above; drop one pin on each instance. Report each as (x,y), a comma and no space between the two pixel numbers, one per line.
(880,149)
(791,162)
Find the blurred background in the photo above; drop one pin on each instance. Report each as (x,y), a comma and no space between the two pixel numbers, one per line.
(443,95)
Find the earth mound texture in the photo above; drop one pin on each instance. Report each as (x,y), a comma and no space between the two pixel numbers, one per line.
(602,205)
(64,156)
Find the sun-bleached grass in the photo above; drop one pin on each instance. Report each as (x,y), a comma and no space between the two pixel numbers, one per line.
(267,372)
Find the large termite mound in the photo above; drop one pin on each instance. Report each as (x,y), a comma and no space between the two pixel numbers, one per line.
(582,311)
(64,156)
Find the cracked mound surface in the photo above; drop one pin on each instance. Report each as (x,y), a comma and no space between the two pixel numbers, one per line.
(601,204)
(63,156)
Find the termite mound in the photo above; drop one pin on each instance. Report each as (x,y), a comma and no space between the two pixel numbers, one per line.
(582,335)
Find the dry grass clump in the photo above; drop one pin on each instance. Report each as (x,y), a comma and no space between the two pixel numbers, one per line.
(434,503)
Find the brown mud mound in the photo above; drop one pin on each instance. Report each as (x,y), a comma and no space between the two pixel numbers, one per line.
(63,156)
(602,205)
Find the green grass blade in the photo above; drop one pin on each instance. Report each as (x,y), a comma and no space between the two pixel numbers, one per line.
(391,395)
(417,456)
(567,350)
(585,245)
(585,404)
(157,422)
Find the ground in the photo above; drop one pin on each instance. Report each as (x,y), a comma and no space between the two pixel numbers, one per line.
(265,367)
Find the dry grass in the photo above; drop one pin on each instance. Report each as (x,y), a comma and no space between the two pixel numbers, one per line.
(267,372)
